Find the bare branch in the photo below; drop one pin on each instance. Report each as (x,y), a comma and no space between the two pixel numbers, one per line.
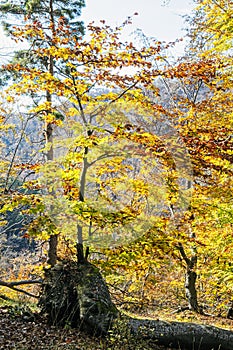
(12,285)
(103,108)
(19,283)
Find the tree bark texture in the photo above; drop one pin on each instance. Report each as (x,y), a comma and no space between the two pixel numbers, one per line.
(53,241)
(182,335)
(76,295)
(80,249)
(190,279)
(52,251)
(190,289)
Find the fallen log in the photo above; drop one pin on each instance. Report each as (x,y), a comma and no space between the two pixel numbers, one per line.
(182,335)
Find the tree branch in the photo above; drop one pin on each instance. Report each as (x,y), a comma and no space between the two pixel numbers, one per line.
(12,285)
(183,254)
(18,283)
(4,297)
(103,108)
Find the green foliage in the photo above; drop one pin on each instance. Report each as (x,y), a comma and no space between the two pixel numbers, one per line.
(40,14)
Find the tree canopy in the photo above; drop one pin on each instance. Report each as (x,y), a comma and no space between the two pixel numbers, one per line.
(123,156)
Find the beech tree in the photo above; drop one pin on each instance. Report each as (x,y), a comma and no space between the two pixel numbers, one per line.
(100,122)
(68,83)
(200,106)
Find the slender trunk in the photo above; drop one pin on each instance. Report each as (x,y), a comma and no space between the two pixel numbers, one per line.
(80,251)
(53,240)
(190,289)
(52,252)
(83,176)
(190,278)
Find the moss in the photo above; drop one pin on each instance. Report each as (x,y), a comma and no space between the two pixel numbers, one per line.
(77,295)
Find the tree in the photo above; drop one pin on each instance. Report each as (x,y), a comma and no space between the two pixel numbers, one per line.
(205,127)
(50,13)
(91,110)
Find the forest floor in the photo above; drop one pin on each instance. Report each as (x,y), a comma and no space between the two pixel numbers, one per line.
(20,329)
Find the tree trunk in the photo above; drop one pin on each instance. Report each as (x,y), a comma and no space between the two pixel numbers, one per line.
(52,251)
(190,278)
(182,335)
(79,246)
(80,253)
(53,241)
(190,290)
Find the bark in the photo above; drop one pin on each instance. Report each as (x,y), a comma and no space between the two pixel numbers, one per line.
(190,279)
(190,290)
(52,251)
(230,312)
(53,240)
(76,295)
(80,251)
(182,335)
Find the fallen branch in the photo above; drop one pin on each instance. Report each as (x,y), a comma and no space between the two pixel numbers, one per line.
(18,283)
(12,285)
(180,309)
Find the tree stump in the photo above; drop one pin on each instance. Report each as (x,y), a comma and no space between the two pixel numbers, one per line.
(76,295)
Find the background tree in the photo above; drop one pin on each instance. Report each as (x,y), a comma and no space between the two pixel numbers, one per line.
(205,123)
(211,39)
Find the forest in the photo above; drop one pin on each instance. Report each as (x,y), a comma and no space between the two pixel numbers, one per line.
(116,162)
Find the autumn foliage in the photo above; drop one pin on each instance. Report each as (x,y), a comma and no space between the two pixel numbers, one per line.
(142,171)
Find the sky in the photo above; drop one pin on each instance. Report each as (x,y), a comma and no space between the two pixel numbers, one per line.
(164,22)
